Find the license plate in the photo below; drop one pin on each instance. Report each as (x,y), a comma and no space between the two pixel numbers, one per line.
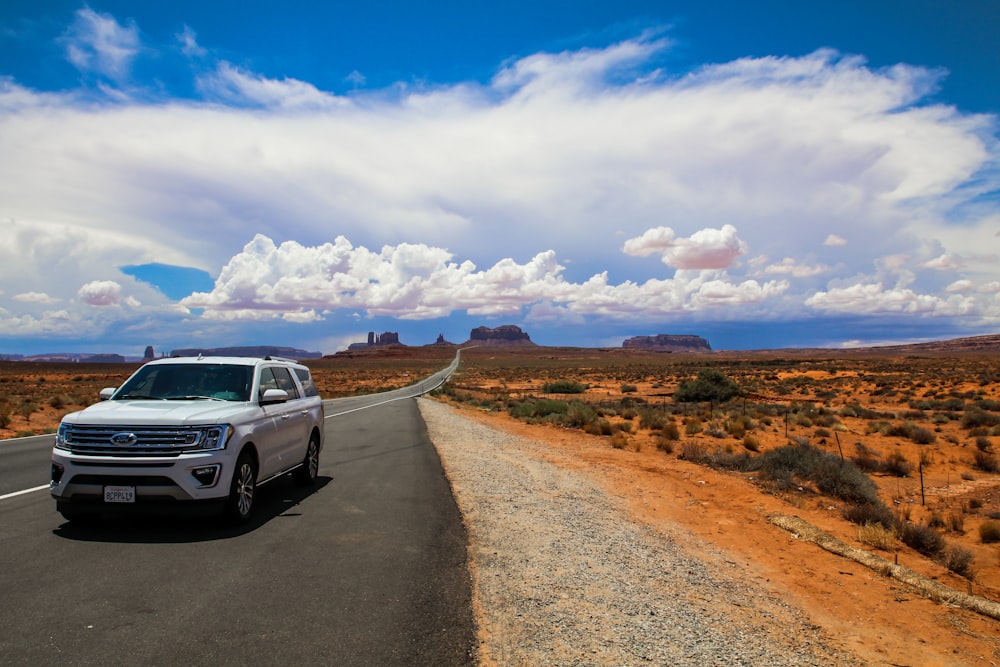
(119,494)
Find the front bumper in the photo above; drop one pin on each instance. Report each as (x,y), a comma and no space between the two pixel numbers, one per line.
(191,477)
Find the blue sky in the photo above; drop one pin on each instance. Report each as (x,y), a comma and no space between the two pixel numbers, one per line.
(768,174)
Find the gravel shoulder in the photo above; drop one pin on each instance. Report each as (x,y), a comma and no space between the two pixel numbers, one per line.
(563,576)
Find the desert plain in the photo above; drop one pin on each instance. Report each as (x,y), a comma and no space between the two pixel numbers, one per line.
(923,423)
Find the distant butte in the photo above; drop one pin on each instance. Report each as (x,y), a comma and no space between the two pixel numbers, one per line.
(669,343)
(508,334)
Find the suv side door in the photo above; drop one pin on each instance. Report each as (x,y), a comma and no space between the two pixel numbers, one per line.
(291,422)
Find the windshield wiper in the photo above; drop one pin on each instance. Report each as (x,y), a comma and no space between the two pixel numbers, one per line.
(193,398)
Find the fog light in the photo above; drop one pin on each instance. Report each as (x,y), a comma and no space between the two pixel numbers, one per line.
(206,475)
(57,473)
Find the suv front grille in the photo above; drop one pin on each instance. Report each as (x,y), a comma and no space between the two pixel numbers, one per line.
(130,441)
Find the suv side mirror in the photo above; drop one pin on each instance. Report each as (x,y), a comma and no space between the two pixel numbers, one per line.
(107,393)
(272,396)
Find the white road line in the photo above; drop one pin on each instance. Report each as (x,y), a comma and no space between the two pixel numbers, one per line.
(21,493)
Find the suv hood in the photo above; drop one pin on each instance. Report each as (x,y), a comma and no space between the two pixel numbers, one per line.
(160,413)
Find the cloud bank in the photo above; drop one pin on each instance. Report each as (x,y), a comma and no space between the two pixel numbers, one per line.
(589,183)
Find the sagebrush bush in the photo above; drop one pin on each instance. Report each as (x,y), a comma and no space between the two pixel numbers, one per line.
(989,531)
(539,407)
(694,452)
(670,431)
(652,419)
(866,459)
(831,475)
(979,418)
(897,465)
(985,461)
(871,513)
(959,561)
(877,536)
(923,539)
(564,387)
(692,426)
(751,443)
(619,440)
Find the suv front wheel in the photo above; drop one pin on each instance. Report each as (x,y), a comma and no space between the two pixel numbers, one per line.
(240,504)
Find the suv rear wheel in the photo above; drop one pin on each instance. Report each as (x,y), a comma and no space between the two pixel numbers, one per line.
(306,473)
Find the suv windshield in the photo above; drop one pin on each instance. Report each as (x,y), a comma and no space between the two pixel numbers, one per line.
(224,382)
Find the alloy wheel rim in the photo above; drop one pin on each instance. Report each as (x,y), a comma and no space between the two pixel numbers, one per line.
(244,489)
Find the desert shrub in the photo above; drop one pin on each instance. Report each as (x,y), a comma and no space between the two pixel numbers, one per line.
(751,443)
(598,426)
(800,419)
(923,539)
(975,503)
(26,409)
(739,461)
(865,514)
(652,419)
(840,479)
(879,427)
(983,444)
(989,531)
(665,444)
(715,430)
(629,388)
(959,561)
(564,387)
(865,413)
(956,522)
(619,440)
(866,459)
(670,431)
(710,385)
(897,465)
(936,520)
(877,536)
(578,415)
(692,426)
(979,418)
(694,452)
(911,431)
(539,407)
(985,461)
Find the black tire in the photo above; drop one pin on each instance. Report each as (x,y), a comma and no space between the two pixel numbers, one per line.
(305,474)
(242,490)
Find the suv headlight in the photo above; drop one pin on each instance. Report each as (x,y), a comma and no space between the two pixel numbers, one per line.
(61,442)
(215,437)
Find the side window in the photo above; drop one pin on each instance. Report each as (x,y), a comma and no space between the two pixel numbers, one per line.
(308,386)
(284,380)
(267,381)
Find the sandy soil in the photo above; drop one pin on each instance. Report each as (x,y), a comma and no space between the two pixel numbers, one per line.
(878,619)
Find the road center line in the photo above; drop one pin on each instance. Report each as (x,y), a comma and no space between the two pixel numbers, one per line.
(21,493)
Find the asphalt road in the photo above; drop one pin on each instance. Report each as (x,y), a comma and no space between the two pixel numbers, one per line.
(366,568)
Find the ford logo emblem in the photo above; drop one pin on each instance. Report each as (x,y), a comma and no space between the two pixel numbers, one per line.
(124,439)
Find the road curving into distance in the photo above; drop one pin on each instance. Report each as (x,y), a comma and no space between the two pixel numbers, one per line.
(367,567)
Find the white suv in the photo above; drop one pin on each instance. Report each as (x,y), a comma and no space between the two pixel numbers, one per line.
(191,431)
